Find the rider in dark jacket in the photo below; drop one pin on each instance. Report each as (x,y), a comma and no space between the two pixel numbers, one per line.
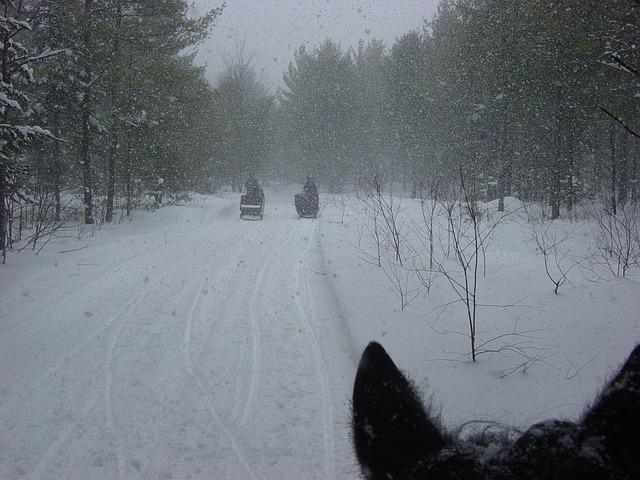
(310,187)
(251,186)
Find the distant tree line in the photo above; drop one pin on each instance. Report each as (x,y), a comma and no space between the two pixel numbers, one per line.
(537,99)
(103,107)
(100,103)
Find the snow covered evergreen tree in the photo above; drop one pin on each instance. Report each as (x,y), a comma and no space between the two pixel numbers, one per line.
(15,105)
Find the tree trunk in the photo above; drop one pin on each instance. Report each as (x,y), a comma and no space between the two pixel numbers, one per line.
(557,160)
(111,171)
(634,170)
(556,192)
(4,174)
(87,177)
(128,181)
(501,177)
(86,164)
(113,141)
(56,166)
(623,170)
(570,160)
(614,170)
(3,212)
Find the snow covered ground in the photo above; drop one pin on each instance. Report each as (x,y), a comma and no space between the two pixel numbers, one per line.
(191,344)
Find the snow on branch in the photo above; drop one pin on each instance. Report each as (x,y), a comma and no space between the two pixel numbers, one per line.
(6,101)
(18,24)
(25,132)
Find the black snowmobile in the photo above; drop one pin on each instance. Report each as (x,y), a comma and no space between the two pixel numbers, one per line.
(252,204)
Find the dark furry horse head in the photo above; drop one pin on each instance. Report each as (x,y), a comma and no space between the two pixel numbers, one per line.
(395,438)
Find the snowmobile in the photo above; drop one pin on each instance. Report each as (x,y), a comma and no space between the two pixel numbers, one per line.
(252,205)
(307,205)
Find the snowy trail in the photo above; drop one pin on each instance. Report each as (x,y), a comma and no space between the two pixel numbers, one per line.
(189,344)
(306,308)
(199,353)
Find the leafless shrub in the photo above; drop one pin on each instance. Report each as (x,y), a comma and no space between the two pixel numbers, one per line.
(551,243)
(616,236)
(467,245)
(403,281)
(469,232)
(385,225)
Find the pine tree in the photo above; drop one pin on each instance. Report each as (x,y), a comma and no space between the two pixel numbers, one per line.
(320,104)
(15,130)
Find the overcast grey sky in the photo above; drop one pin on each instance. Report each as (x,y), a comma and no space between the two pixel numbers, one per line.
(274,29)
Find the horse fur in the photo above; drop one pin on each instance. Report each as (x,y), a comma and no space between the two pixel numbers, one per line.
(396,438)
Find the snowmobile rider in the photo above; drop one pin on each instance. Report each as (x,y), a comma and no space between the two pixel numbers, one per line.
(310,187)
(251,186)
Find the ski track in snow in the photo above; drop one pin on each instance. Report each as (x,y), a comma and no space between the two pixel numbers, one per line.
(205,336)
(255,329)
(192,345)
(57,444)
(74,351)
(210,275)
(124,314)
(308,318)
(237,449)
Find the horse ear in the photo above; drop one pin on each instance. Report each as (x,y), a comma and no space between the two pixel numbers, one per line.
(615,416)
(391,428)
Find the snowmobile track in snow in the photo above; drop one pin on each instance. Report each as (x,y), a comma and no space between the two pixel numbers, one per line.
(237,449)
(124,315)
(193,349)
(308,317)
(255,329)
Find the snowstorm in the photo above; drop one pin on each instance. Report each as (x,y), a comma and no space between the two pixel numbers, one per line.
(319,239)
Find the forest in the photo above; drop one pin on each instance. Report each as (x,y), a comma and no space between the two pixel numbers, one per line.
(105,112)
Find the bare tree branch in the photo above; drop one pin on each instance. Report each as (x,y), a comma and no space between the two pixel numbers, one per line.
(626,66)
(620,122)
